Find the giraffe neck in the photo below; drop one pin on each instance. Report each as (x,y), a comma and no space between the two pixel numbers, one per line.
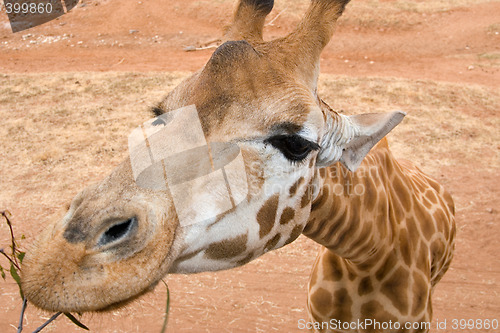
(352,215)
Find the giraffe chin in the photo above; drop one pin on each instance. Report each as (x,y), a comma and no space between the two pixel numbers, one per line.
(81,286)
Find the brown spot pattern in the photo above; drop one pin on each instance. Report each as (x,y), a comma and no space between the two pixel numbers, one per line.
(342,305)
(322,301)
(272,242)
(388,265)
(396,289)
(287,215)
(295,186)
(404,247)
(306,198)
(420,294)
(403,193)
(375,310)
(267,215)
(227,248)
(297,230)
(332,267)
(365,286)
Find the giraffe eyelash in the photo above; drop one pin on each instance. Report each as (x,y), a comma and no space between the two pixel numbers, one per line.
(294,147)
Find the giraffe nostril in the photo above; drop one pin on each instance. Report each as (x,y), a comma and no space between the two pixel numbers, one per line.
(118,231)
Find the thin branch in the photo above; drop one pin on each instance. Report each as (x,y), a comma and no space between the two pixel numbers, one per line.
(270,23)
(21,318)
(10,259)
(194,48)
(12,238)
(51,319)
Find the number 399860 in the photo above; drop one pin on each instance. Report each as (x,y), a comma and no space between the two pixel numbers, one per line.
(27,8)
(474,324)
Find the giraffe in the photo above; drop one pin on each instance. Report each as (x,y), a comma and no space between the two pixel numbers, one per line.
(117,240)
(387,236)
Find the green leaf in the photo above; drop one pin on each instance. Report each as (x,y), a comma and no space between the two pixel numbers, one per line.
(76,321)
(167,309)
(20,256)
(2,272)
(15,276)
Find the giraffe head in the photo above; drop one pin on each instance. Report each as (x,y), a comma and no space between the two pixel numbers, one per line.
(118,239)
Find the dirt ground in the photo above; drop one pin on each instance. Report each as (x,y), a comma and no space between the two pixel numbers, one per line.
(72,89)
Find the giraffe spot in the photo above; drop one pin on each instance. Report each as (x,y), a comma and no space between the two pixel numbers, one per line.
(396,212)
(438,249)
(412,229)
(352,224)
(245,260)
(403,193)
(375,310)
(322,198)
(375,176)
(420,293)
(311,162)
(350,271)
(187,256)
(272,242)
(396,289)
(426,222)
(293,189)
(332,267)
(322,172)
(342,305)
(404,247)
(322,301)
(334,222)
(389,166)
(371,195)
(423,258)
(227,248)
(297,230)
(427,203)
(420,184)
(287,215)
(267,215)
(365,286)
(435,185)
(366,234)
(441,221)
(387,267)
(306,198)
(431,195)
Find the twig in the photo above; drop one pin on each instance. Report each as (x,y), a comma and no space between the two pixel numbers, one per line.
(23,309)
(10,259)
(194,48)
(167,310)
(12,238)
(51,319)
(270,23)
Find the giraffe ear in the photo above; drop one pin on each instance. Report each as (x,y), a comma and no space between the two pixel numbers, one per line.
(369,128)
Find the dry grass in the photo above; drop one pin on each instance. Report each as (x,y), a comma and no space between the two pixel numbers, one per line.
(375,14)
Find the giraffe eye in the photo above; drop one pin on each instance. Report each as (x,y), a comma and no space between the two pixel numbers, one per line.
(293,147)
